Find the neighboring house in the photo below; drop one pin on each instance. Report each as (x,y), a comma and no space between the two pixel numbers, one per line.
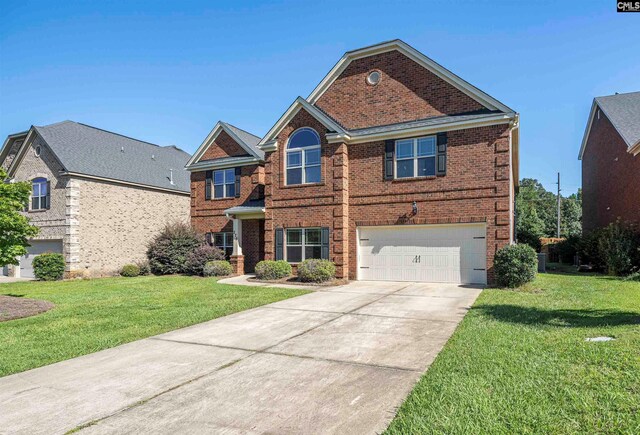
(611,161)
(98,197)
(394,168)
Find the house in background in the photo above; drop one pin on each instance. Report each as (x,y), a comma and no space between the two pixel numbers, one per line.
(610,155)
(394,168)
(98,197)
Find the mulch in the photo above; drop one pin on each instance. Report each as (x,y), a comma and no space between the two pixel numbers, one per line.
(16,307)
(294,280)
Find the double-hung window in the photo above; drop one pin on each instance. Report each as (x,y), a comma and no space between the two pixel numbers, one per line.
(224,241)
(224,183)
(303,244)
(416,157)
(303,157)
(39,194)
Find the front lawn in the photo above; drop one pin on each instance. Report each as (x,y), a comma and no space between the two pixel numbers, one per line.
(98,314)
(519,363)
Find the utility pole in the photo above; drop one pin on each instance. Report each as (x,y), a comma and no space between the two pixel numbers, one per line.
(558,183)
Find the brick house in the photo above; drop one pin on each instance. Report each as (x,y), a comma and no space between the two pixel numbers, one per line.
(611,161)
(97,197)
(394,168)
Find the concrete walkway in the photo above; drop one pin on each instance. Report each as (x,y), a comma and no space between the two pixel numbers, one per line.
(339,360)
(245,280)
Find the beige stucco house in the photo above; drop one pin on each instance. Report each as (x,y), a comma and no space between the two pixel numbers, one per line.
(98,197)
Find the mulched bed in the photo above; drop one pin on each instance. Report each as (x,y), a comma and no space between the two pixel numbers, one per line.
(15,307)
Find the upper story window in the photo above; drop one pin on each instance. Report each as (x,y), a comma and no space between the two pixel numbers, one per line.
(303,157)
(416,157)
(224,183)
(39,194)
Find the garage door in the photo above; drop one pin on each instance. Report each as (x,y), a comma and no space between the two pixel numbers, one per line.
(37,247)
(426,253)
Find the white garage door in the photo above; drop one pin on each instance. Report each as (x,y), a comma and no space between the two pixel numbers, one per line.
(427,253)
(37,247)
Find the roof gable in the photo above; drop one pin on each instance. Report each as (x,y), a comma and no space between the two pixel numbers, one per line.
(245,140)
(300,103)
(623,111)
(402,47)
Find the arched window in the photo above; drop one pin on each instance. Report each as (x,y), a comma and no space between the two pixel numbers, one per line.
(303,157)
(39,194)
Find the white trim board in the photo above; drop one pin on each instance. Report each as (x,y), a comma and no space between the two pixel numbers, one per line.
(211,137)
(124,183)
(269,143)
(404,48)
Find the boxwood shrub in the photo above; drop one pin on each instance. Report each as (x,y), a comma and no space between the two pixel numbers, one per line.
(199,257)
(48,266)
(269,269)
(313,270)
(217,268)
(130,270)
(515,265)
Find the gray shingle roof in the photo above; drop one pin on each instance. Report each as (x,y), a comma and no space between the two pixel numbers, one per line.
(92,151)
(251,206)
(248,138)
(427,122)
(623,110)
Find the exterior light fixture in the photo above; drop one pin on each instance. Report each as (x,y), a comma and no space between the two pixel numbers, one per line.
(415,208)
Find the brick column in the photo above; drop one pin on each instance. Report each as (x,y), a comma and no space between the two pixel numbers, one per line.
(269,244)
(340,239)
(237,264)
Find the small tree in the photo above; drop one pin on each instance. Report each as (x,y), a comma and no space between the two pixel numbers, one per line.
(15,228)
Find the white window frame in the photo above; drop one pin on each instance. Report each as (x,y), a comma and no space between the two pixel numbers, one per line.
(415,157)
(224,246)
(303,242)
(224,183)
(303,165)
(42,199)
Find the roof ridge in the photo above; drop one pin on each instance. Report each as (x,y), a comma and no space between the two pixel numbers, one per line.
(119,134)
(241,129)
(618,93)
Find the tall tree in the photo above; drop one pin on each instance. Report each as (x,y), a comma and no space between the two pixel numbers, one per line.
(15,228)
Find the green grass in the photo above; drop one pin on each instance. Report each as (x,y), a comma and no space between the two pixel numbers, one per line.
(519,363)
(98,314)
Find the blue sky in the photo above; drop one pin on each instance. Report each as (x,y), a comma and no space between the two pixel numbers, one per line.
(165,71)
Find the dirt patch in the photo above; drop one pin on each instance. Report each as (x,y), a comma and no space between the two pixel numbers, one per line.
(15,307)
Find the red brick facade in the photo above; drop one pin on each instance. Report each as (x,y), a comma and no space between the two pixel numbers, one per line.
(610,178)
(406,92)
(353,191)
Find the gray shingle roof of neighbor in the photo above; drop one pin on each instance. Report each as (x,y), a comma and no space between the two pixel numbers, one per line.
(432,121)
(249,139)
(623,110)
(91,151)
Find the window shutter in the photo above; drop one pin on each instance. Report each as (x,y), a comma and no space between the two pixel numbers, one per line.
(441,168)
(238,170)
(389,149)
(325,244)
(48,198)
(207,185)
(279,243)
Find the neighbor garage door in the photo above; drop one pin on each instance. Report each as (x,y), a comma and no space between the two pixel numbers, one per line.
(427,253)
(37,247)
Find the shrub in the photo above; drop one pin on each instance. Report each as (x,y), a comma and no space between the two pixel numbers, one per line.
(515,265)
(619,246)
(217,268)
(635,276)
(130,270)
(589,250)
(48,266)
(200,256)
(143,265)
(568,248)
(168,251)
(316,270)
(270,269)
(530,239)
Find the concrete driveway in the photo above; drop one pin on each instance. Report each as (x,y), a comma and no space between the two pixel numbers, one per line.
(339,360)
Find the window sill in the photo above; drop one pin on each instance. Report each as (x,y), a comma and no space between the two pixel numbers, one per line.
(293,186)
(41,210)
(404,180)
(224,199)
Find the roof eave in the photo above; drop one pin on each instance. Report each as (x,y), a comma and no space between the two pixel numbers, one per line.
(213,134)
(221,164)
